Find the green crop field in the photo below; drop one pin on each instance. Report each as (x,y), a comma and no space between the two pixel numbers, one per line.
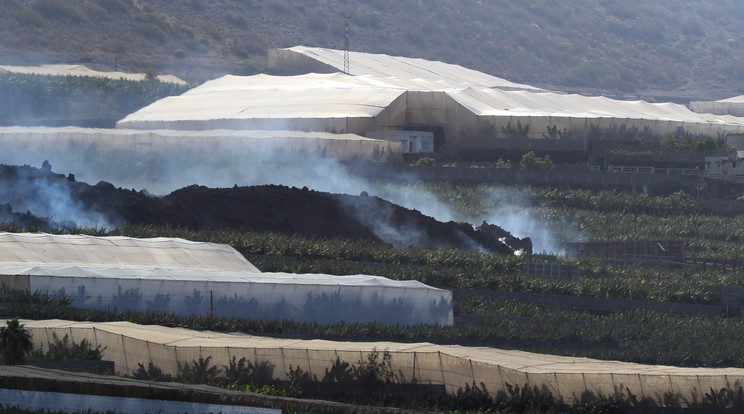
(640,336)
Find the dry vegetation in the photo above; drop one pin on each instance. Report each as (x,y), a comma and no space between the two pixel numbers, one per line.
(686,49)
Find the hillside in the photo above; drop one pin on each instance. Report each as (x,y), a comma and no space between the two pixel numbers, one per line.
(666,49)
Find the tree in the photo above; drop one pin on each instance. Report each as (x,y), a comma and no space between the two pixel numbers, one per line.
(503,164)
(15,342)
(529,161)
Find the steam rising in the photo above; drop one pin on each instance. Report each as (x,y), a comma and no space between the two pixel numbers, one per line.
(161,174)
(26,191)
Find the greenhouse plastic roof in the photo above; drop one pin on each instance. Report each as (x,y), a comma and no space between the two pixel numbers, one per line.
(144,275)
(80,70)
(203,275)
(81,251)
(494,102)
(735,99)
(264,96)
(403,70)
(321,96)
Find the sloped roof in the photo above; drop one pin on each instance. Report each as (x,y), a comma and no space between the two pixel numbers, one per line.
(404,69)
(265,96)
(40,249)
(204,275)
(735,99)
(377,95)
(494,102)
(81,70)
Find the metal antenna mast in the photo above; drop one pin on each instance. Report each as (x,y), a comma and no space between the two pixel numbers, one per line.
(346,45)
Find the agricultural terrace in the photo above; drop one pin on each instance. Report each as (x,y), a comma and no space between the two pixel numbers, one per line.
(570,215)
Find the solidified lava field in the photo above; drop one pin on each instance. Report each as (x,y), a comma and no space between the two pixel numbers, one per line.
(41,199)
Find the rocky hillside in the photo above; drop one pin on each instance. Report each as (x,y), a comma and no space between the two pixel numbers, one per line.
(666,48)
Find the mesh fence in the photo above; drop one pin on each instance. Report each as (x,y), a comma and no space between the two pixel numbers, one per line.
(455,367)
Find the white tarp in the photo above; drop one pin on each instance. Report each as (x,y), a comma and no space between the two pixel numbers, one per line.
(335,103)
(395,69)
(390,93)
(31,249)
(249,143)
(732,106)
(191,278)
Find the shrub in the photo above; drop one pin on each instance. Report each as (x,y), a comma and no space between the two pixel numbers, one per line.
(503,164)
(375,370)
(424,162)
(530,162)
(707,143)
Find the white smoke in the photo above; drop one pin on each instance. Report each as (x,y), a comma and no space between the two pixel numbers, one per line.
(31,191)
(161,174)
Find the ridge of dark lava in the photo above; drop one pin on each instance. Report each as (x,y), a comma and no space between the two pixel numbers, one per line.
(262,208)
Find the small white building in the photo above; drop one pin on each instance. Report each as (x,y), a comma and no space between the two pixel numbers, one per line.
(411,141)
(730,168)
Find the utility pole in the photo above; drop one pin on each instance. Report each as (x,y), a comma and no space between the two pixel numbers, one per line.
(346,44)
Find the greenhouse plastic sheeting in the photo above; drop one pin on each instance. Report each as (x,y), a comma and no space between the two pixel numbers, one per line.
(82,250)
(250,143)
(731,106)
(321,102)
(472,115)
(189,278)
(407,71)
(301,297)
(567,378)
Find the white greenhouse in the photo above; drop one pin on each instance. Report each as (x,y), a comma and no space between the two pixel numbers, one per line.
(187,278)
(469,110)
(732,106)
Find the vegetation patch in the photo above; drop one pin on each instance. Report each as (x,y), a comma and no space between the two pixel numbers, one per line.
(46,99)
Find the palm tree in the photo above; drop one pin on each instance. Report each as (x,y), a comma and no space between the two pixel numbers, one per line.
(15,341)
